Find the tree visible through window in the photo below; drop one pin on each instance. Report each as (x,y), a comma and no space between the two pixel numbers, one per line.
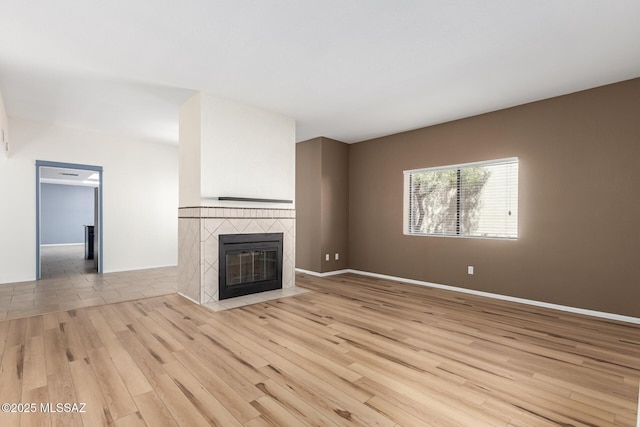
(469,200)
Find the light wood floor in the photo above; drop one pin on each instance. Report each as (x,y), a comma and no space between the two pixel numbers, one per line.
(354,351)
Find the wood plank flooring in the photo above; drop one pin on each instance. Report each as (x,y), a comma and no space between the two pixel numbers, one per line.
(354,351)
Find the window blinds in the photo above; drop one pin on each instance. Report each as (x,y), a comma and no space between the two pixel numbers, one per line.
(467,200)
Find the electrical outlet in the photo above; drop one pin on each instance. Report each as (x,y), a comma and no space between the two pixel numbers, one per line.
(326,257)
(337,256)
(470,269)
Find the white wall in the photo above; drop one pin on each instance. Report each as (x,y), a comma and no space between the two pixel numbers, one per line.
(3,125)
(246,152)
(190,137)
(140,196)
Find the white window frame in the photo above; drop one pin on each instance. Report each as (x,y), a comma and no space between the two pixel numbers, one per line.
(407,198)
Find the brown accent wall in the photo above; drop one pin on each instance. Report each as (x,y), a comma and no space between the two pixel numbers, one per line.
(308,180)
(335,204)
(579,202)
(322,204)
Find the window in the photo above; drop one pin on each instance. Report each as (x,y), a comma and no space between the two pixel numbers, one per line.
(469,200)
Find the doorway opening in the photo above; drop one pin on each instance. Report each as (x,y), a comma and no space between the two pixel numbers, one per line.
(68,219)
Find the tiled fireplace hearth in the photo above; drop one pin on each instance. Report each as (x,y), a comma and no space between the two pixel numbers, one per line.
(199,229)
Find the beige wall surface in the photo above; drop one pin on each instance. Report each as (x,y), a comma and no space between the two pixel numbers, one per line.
(579,202)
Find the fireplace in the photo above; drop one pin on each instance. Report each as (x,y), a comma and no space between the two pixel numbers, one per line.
(249,263)
(199,231)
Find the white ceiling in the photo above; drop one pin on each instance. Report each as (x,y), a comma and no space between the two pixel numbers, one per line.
(67,176)
(349,70)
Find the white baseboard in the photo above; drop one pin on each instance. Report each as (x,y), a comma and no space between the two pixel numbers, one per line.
(105,271)
(592,313)
(329,273)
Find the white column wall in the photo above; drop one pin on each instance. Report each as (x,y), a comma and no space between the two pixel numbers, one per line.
(246,152)
(190,136)
(243,152)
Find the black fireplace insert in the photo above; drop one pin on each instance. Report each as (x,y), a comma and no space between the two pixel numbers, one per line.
(249,263)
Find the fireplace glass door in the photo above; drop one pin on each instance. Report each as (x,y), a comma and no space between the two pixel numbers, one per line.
(251,266)
(249,263)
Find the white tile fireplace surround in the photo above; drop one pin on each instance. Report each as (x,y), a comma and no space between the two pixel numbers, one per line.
(198,231)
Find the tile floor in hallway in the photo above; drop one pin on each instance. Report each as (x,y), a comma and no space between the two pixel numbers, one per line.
(61,261)
(69,282)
